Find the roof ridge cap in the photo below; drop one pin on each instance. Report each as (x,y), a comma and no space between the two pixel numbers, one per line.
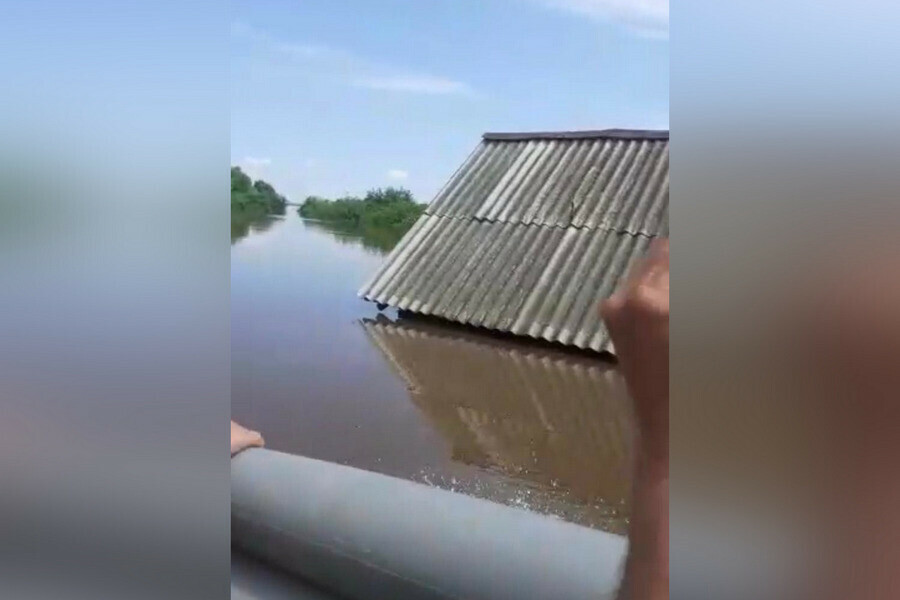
(610,134)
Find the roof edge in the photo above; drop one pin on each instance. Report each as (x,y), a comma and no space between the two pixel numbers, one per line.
(609,134)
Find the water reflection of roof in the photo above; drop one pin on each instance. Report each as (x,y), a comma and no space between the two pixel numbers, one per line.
(551,417)
(532,232)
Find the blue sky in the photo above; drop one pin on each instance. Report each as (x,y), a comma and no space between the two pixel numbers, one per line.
(336,97)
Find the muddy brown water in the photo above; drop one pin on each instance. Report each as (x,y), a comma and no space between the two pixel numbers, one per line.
(324,374)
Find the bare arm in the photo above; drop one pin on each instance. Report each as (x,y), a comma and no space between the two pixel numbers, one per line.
(637,316)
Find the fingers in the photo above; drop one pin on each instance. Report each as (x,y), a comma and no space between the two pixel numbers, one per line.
(645,292)
(637,317)
(243,438)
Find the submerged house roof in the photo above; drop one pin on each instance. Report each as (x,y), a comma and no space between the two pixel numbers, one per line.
(531,232)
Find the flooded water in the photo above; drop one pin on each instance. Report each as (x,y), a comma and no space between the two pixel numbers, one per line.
(324,374)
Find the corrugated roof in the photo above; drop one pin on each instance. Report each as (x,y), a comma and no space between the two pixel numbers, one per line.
(531,232)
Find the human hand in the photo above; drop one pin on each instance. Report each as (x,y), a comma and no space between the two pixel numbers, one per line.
(637,316)
(243,438)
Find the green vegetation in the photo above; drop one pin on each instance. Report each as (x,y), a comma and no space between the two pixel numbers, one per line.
(249,195)
(377,221)
(390,208)
(252,203)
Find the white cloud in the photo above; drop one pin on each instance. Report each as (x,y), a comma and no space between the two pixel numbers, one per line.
(415,84)
(398,174)
(254,167)
(349,69)
(302,51)
(647,18)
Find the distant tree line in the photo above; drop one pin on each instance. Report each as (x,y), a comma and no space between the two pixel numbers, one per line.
(388,208)
(252,203)
(254,196)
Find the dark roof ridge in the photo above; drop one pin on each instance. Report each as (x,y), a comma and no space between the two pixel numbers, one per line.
(610,134)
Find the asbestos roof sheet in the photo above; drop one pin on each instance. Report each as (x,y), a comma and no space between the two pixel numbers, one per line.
(531,233)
